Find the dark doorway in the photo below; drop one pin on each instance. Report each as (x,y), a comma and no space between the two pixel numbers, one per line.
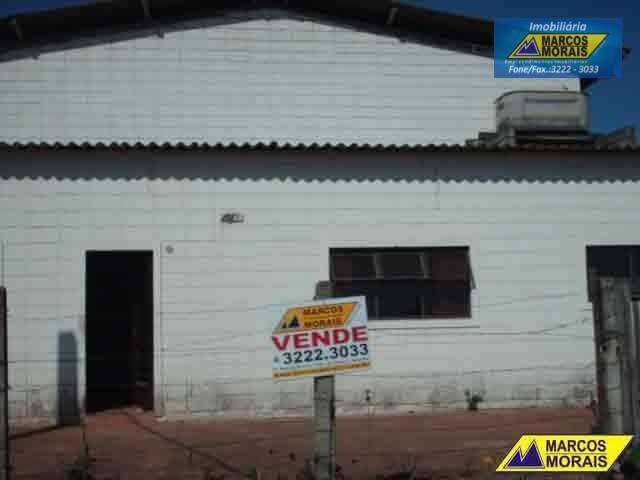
(119,323)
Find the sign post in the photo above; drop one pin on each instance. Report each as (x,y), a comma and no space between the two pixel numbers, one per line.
(318,339)
(324,427)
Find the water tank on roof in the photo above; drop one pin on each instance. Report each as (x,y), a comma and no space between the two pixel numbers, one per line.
(544,111)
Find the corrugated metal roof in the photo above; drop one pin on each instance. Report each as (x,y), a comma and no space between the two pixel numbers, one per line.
(339,147)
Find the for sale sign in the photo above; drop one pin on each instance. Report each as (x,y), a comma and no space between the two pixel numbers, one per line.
(321,338)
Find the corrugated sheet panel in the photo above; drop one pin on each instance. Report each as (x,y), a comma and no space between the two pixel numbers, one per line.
(352,147)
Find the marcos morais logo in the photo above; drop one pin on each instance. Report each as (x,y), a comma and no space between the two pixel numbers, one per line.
(557,48)
(531,459)
(564,453)
(528,49)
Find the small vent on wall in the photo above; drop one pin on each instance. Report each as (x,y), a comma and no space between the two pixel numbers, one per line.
(232,217)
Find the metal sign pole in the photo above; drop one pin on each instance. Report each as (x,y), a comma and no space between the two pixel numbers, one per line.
(324,411)
(324,420)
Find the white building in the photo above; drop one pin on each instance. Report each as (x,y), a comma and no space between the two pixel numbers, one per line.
(332,133)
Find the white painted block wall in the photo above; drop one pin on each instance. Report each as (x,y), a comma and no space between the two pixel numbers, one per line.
(262,76)
(526,218)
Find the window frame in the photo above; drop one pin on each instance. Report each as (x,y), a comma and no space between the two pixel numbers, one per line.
(357,279)
(432,284)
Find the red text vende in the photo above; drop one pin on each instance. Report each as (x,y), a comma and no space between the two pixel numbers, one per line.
(335,336)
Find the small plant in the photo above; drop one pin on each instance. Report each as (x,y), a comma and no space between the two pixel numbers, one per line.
(408,467)
(254,474)
(307,471)
(473,400)
(80,468)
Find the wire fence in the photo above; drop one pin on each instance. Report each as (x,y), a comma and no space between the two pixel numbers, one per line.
(390,434)
(130,444)
(388,335)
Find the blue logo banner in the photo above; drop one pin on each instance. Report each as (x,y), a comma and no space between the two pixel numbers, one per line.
(557,48)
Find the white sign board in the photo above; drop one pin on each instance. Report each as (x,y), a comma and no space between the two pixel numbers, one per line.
(321,338)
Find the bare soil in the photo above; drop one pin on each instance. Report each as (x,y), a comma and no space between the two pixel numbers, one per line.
(129,444)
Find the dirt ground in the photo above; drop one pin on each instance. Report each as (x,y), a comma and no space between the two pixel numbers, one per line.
(128,444)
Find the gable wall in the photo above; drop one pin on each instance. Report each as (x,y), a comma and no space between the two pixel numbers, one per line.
(252,79)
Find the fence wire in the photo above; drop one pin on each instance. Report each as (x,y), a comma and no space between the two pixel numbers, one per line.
(130,443)
(417,435)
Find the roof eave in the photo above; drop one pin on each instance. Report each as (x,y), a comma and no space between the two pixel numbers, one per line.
(311,147)
(100,22)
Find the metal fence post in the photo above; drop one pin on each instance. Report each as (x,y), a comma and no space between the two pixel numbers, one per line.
(4,388)
(634,341)
(324,419)
(611,350)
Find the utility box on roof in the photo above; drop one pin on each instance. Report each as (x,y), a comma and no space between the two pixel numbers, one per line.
(550,111)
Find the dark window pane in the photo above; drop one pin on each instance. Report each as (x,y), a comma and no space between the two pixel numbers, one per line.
(449,264)
(403,301)
(614,261)
(401,265)
(450,299)
(620,261)
(353,267)
(355,289)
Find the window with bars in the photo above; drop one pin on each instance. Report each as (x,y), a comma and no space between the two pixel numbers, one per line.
(405,282)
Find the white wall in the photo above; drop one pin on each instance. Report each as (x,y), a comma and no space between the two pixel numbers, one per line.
(252,79)
(526,218)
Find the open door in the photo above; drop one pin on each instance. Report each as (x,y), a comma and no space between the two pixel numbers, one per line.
(119,329)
